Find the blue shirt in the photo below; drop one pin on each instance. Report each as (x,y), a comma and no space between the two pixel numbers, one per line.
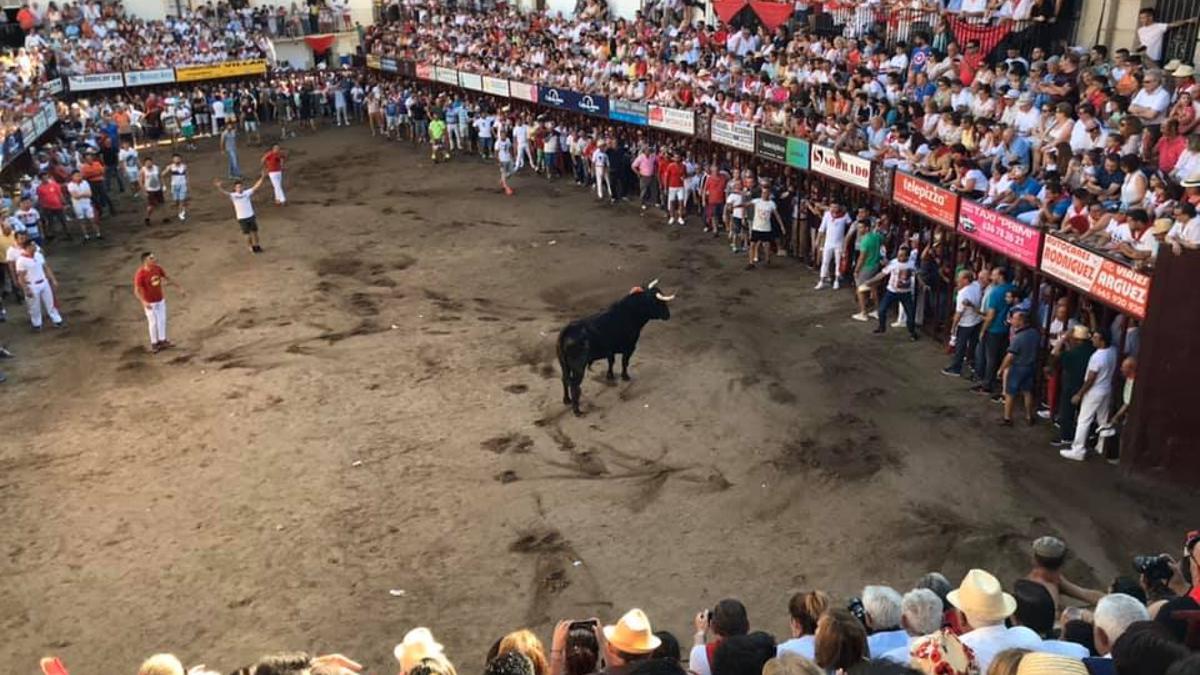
(995,300)
(924,91)
(1020,152)
(1024,347)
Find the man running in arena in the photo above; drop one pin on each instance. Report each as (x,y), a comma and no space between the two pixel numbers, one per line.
(243,208)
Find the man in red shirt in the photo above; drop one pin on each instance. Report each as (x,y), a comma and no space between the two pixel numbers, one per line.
(148,284)
(673,176)
(51,204)
(713,199)
(272,163)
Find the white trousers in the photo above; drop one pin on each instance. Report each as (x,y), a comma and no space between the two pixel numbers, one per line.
(277,183)
(522,153)
(602,182)
(455,134)
(1093,408)
(42,300)
(831,255)
(156,317)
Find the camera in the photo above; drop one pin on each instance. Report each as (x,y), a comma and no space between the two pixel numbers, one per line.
(1154,567)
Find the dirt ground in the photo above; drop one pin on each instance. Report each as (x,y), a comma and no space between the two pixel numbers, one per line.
(362,431)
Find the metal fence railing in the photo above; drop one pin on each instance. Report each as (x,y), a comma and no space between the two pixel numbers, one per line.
(1180,43)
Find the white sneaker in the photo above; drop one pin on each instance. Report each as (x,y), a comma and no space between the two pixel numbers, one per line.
(836,284)
(1077,455)
(859,317)
(897,324)
(820,285)
(874,314)
(183,215)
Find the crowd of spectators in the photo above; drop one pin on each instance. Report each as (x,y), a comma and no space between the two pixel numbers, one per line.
(1143,623)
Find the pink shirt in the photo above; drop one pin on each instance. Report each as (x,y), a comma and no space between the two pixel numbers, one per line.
(644,165)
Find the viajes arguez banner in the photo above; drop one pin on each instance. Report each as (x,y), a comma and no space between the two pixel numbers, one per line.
(522,91)
(770,146)
(844,166)
(1110,282)
(215,71)
(936,203)
(95,81)
(565,99)
(738,135)
(630,112)
(672,119)
(137,78)
(1007,236)
(495,86)
(470,81)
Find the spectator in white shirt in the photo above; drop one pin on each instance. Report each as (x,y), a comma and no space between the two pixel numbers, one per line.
(805,609)
(725,620)
(882,607)
(984,606)
(1185,232)
(1152,102)
(1093,397)
(1114,613)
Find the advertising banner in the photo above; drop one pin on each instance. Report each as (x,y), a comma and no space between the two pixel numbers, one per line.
(470,81)
(424,71)
(54,86)
(1110,282)
(525,92)
(388,64)
(446,75)
(630,112)
(565,99)
(96,81)
(738,135)
(844,166)
(770,146)
(672,119)
(797,153)
(373,61)
(919,196)
(495,86)
(1006,236)
(137,78)
(213,71)
(28,132)
(39,124)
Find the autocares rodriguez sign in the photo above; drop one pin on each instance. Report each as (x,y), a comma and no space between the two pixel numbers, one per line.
(937,204)
(844,166)
(1110,282)
(1008,237)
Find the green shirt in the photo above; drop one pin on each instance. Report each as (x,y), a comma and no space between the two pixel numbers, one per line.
(869,247)
(1074,367)
(437,129)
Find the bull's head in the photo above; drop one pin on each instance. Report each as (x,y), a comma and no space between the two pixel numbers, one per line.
(657,301)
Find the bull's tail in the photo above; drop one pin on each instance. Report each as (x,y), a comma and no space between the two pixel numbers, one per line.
(573,360)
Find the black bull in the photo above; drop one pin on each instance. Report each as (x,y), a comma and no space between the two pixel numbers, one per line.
(604,335)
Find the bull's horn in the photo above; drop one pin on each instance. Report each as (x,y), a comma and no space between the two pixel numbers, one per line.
(664,298)
(652,284)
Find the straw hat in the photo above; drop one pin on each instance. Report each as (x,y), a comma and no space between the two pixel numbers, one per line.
(418,644)
(981,598)
(1162,226)
(1081,332)
(632,634)
(942,653)
(1172,65)
(1184,71)
(1042,663)
(1191,181)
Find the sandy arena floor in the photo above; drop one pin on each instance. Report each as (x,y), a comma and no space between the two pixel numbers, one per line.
(373,405)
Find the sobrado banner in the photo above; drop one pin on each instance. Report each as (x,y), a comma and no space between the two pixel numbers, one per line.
(446,75)
(95,82)
(565,99)
(495,86)
(1108,281)
(672,119)
(525,92)
(938,204)
(770,146)
(630,112)
(470,81)
(738,135)
(844,166)
(218,70)
(1006,236)
(137,78)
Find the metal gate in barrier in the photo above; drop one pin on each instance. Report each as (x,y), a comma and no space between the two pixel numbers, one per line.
(1180,43)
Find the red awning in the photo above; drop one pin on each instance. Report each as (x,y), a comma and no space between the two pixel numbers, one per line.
(319,44)
(727,9)
(772,14)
